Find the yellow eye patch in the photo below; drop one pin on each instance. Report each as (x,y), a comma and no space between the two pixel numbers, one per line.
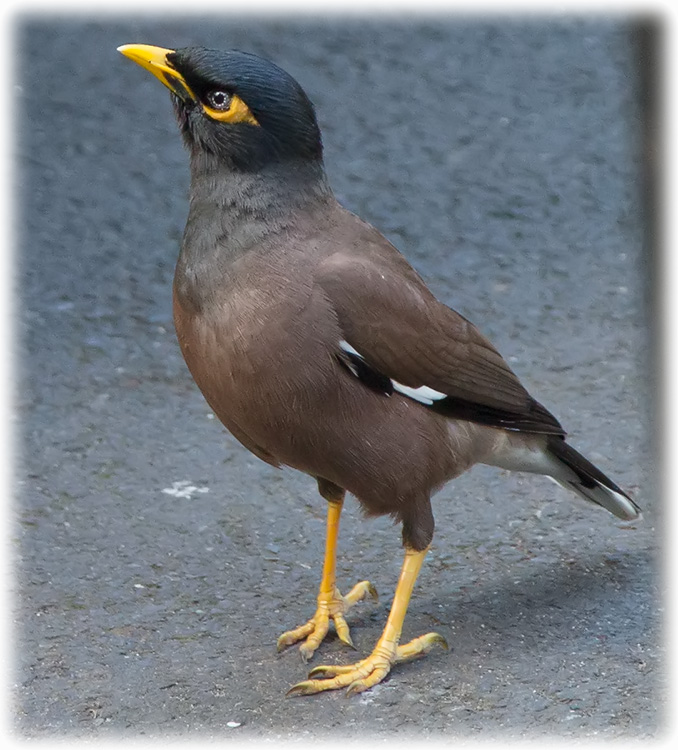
(237,111)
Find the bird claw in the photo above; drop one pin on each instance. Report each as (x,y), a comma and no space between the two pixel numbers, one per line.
(330,607)
(321,671)
(301,688)
(369,590)
(367,673)
(420,646)
(346,638)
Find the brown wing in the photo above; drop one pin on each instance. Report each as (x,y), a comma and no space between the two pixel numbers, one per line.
(394,322)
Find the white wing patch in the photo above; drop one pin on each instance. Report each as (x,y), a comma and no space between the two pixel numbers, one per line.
(348,348)
(423,394)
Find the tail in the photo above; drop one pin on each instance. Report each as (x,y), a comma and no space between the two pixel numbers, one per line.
(581,476)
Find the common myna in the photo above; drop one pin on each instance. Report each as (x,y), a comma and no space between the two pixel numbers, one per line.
(319,347)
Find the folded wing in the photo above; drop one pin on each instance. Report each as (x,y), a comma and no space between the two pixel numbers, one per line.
(398,337)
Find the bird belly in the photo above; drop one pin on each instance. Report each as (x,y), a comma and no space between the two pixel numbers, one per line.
(283,394)
(266,375)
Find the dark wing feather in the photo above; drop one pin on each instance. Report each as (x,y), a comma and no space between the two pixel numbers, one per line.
(391,318)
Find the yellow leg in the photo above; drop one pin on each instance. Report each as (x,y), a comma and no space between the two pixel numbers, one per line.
(368,672)
(331,604)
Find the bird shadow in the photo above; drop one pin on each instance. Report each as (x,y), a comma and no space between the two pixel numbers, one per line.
(547,598)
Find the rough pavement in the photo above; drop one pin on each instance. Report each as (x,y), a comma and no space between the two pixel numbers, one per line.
(157,561)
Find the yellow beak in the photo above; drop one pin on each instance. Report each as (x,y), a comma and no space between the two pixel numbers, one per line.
(154,59)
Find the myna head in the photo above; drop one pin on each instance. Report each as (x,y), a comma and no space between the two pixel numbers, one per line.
(239,107)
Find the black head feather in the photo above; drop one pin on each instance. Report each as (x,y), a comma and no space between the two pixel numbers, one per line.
(287,126)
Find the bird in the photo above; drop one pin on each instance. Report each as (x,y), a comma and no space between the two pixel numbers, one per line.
(320,348)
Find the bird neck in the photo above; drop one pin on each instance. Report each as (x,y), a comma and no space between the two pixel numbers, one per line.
(233,212)
(274,190)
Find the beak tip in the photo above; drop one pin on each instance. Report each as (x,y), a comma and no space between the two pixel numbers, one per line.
(154,59)
(125,49)
(146,52)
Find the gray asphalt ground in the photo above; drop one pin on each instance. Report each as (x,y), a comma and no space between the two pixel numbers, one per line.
(502,156)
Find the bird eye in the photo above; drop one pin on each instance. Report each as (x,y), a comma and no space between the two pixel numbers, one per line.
(220,100)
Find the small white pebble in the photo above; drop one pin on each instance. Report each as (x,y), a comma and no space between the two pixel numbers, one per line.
(184,489)
(233,724)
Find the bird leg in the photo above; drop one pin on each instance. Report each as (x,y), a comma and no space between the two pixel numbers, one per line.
(331,604)
(368,672)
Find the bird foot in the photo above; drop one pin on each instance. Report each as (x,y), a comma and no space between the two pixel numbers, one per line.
(330,607)
(368,672)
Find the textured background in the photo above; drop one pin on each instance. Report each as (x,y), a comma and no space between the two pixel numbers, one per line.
(503,158)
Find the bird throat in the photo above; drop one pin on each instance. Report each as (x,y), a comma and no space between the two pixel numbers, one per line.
(233,213)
